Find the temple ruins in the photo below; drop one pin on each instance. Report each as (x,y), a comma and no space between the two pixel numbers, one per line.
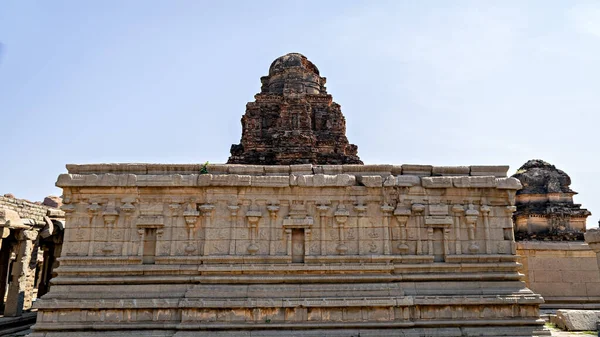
(293,238)
(549,230)
(30,244)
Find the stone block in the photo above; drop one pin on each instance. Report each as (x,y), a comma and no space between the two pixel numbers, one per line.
(301,169)
(436,182)
(246,169)
(576,320)
(277,170)
(450,171)
(230,180)
(417,170)
(408,181)
(508,183)
(370,181)
(474,182)
(483,170)
(270,181)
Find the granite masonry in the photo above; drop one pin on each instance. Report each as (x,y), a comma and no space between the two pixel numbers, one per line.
(311,245)
(30,242)
(556,262)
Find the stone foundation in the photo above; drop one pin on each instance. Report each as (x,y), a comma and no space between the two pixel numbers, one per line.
(564,273)
(302,250)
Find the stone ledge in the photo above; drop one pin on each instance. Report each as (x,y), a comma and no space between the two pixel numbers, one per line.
(282,181)
(304,169)
(548,245)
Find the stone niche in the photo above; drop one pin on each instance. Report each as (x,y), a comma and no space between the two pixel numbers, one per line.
(302,250)
(545,208)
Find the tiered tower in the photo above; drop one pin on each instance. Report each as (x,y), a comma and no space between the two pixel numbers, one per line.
(293,120)
(545,208)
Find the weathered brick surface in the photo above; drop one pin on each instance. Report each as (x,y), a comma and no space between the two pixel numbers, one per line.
(26,209)
(293,120)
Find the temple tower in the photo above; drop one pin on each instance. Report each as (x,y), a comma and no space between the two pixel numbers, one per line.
(293,120)
(545,207)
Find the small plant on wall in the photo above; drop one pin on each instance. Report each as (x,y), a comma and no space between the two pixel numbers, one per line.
(204,168)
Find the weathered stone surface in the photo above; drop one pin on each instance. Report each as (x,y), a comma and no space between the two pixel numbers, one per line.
(26,230)
(293,120)
(576,320)
(496,171)
(450,170)
(545,208)
(301,251)
(564,273)
(52,201)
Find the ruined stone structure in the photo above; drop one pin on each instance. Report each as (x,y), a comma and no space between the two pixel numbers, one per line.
(279,250)
(564,273)
(30,242)
(293,120)
(289,250)
(545,207)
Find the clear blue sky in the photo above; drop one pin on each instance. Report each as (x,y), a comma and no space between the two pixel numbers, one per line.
(430,82)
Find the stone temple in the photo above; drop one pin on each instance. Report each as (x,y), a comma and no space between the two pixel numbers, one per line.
(293,238)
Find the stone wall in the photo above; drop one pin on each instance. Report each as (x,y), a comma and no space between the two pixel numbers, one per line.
(565,273)
(26,209)
(30,238)
(369,250)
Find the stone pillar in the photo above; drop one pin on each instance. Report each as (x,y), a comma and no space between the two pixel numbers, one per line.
(21,283)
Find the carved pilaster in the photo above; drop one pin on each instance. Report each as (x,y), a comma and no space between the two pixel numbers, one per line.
(322,209)
(471,216)
(361,211)
(190,215)
(402,214)
(341,216)
(110,215)
(273,209)
(93,210)
(485,212)
(206,210)
(418,210)
(457,211)
(175,209)
(233,217)
(127,209)
(387,213)
(253,218)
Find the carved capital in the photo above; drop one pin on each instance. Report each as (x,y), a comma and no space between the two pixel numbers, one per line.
(322,209)
(387,210)
(253,218)
(233,210)
(418,208)
(94,208)
(273,209)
